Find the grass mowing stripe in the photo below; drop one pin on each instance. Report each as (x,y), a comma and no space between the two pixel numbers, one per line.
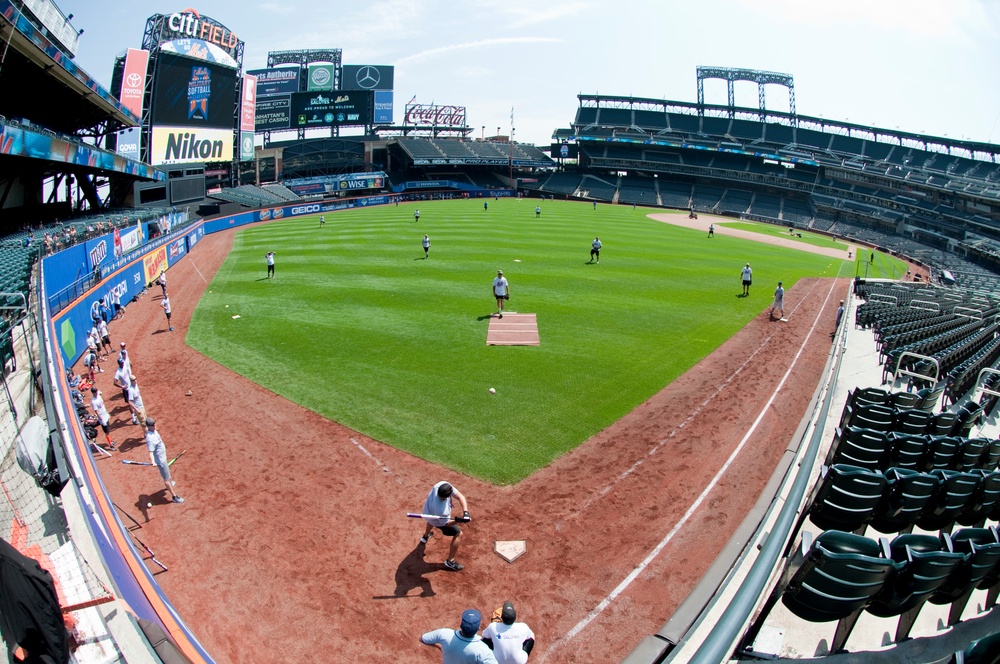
(358,327)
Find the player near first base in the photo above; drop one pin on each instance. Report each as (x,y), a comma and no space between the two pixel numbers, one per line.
(779,302)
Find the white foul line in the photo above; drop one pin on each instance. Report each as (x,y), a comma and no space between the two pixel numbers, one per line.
(199,272)
(597,610)
(697,411)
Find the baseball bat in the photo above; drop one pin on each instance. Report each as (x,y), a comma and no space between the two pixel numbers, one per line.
(171,462)
(129,462)
(416,515)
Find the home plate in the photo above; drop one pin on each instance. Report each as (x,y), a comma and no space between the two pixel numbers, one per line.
(510,550)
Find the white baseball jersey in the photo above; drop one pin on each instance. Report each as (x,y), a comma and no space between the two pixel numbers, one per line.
(747,274)
(596,244)
(97,403)
(270,258)
(500,286)
(426,242)
(507,641)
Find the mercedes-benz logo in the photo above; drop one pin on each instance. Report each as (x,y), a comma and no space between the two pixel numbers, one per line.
(368,77)
(134,80)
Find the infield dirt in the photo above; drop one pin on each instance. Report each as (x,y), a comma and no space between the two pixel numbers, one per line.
(293,544)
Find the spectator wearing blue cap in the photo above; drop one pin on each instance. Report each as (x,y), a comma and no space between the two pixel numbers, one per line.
(464,645)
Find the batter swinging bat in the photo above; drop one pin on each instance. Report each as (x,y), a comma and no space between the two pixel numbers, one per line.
(415,515)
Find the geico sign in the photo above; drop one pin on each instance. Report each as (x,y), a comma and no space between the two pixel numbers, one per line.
(304,209)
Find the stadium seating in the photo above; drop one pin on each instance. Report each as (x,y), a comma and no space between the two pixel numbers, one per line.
(846,497)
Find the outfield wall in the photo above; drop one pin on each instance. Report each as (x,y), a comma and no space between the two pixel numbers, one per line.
(63,336)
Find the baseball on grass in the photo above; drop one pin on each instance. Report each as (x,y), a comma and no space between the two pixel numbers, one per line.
(492,391)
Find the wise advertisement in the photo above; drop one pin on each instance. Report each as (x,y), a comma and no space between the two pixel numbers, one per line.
(154,263)
(183,145)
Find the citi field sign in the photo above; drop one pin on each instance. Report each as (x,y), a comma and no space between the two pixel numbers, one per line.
(189,23)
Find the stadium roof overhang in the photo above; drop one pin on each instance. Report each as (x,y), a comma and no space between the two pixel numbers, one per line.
(41,88)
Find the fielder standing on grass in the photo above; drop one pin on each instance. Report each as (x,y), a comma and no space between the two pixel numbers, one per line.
(426,244)
(747,276)
(158,457)
(779,302)
(438,503)
(501,291)
(270,264)
(595,249)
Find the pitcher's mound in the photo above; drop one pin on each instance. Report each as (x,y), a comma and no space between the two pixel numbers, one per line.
(513,330)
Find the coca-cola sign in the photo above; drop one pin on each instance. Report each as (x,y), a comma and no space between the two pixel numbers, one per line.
(422,114)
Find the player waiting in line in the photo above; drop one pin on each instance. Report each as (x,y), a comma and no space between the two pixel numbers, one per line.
(779,302)
(426,244)
(135,402)
(270,263)
(103,418)
(162,280)
(462,645)
(102,328)
(165,303)
(501,291)
(595,250)
(439,503)
(510,641)
(158,457)
(747,276)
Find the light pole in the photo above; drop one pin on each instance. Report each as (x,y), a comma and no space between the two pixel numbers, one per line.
(483,137)
(510,157)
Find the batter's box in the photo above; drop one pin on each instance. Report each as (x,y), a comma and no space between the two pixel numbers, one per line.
(510,550)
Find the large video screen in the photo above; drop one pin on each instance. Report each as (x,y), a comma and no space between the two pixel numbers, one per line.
(329,108)
(193,93)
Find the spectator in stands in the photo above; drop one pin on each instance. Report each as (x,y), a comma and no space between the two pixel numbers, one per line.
(779,302)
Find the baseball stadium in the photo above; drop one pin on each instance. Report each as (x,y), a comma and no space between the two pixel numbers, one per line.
(731,395)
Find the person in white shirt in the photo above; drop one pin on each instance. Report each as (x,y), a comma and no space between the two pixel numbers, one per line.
(158,457)
(747,276)
(97,403)
(595,249)
(135,402)
(102,328)
(510,641)
(165,303)
(779,302)
(270,263)
(501,291)
(426,243)
(123,378)
(437,507)
(162,280)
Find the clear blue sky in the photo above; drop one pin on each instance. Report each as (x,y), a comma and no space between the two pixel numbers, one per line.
(920,65)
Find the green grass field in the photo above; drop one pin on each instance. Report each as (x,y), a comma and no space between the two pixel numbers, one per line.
(782,231)
(358,327)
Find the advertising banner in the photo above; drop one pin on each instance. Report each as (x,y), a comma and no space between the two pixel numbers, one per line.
(249,103)
(134,80)
(383,107)
(189,24)
(200,49)
(321,77)
(273,113)
(310,109)
(366,77)
(438,116)
(276,81)
(184,145)
(154,263)
(128,143)
(176,250)
(246,146)
(192,93)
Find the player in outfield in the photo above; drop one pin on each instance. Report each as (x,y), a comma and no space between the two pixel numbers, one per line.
(426,244)
(158,457)
(439,503)
(501,291)
(595,249)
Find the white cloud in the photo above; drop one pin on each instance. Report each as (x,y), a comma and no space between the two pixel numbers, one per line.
(467,46)
(281,8)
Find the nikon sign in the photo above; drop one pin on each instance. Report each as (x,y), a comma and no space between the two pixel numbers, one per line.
(182,145)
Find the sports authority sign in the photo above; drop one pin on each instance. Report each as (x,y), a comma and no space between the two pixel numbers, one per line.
(438,116)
